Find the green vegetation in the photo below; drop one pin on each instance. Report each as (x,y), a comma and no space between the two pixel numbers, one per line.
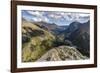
(80,41)
(36,42)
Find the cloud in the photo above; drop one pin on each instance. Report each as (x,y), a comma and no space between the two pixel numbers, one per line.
(84,15)
(56,17)
(45,19)
(36,19)
(36,13)
(80,17)
(37,16)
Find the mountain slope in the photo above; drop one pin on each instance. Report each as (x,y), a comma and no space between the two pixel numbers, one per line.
(35,41)
(79,34)
(51,27)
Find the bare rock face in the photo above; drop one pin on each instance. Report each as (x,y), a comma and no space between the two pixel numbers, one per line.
(62,53)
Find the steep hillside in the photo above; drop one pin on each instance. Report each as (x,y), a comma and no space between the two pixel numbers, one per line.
(62,53)
(35,41)
(79,35)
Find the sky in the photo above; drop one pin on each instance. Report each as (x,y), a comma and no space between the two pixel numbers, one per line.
(59,18)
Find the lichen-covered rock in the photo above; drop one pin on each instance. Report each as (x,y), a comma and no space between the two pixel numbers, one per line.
(62,53)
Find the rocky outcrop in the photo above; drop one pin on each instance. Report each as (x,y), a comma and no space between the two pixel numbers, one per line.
(62,53)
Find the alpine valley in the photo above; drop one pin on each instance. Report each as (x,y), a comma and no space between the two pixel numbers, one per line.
(43,41)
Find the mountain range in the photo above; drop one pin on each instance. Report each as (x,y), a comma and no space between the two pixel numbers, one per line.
(51,27)
(78,34)
(42,38)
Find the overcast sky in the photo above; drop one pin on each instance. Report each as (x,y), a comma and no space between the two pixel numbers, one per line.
(59,18)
